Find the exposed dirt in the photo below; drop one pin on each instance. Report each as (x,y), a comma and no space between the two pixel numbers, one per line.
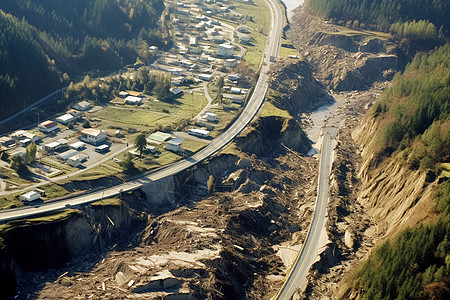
(224,246)
(370,199)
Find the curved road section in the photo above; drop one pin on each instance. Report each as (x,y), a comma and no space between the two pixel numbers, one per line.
(297,277)
(250,110)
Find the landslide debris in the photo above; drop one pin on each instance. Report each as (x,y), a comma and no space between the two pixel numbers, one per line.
(343,59)
(221,247)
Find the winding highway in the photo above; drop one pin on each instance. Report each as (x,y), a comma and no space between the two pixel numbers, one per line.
(297,276)
(247,114)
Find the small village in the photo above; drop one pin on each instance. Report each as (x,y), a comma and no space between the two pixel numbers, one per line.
(216,51)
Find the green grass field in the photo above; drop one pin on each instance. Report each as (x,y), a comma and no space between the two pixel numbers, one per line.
(269,110)
(259,24)
(286,49)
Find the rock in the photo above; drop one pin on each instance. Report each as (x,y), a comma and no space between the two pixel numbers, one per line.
(65,282)
(373,46)
(120,278)
(348,239)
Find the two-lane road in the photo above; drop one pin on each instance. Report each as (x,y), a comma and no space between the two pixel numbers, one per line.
(248,113)
(297,276)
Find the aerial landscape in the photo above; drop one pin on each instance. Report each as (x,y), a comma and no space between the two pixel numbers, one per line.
(224,149)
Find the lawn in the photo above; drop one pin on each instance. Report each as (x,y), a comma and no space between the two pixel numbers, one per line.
(190,105)
(193,145)
(269,110)
(288,49)
(259,12)
(260,24)
(225,114)
(445,169)
(135,117)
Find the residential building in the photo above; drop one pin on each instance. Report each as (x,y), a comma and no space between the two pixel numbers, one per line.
(21,135)
(225,50)
(245,39)
(133,100)
(7,141)
(231,63)
(218,39)
(211,117)
(234,77)
(153,49)
(177,92)
(235,90)
(174,145)
(199,132)
(102,148)
(92,136)
(74,161)
(123,94)
(193,41)
(158,137)
(30,196)
(205,77)
(83,106)
(77,145)
(53,146)
(66,154)
(65,119)
(243,29)
(48,126)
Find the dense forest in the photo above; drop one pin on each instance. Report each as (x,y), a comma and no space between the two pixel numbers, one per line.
(415,115)
(416,111)
(429,18)
(45,44)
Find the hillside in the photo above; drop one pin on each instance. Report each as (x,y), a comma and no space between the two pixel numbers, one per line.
(381,14)
(406,140)
(45,44)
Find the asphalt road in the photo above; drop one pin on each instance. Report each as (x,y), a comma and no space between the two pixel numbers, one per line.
(307,256)
(248,113)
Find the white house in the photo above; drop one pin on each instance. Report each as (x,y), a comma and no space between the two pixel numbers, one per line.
(30,196)
(205,77)
(211,117)
(225,50)
(74,161)
(153,49)
(92,136)
(231,63)
(48,126)
(199,132)
(50,147)
(65,119)
(21,135)
(66,154)
(235,90)
(133,100)
(193,41)
(123,94)
(83,106)
(174,145)
(245,39)
(77,145)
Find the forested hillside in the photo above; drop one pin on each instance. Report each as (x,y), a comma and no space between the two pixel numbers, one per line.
(416,111)
(423,19)
(44,44)
(415,116)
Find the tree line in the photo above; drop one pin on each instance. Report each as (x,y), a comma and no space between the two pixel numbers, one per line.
(382,14)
